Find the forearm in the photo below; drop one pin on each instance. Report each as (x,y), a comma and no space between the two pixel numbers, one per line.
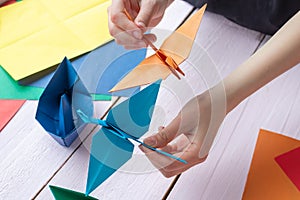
(279,54)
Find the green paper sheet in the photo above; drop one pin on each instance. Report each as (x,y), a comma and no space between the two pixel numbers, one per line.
(64,194)
(10,89)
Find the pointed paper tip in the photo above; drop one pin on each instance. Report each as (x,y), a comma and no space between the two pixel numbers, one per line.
(88,189)
(158,81)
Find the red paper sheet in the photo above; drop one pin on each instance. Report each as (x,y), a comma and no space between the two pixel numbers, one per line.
(290,164)
(8,108)
(8,2)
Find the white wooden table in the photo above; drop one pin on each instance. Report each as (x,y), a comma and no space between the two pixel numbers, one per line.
(31,160)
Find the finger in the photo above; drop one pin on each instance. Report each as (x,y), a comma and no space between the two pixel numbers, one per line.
(145,15)
(132,7)
(119,19)
(158,160)
(139,43)
(163,137)
(124,38)
(190,154)
(161,128)
(170,167)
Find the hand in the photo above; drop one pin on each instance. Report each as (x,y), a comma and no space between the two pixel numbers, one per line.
(146,13)
(194,129)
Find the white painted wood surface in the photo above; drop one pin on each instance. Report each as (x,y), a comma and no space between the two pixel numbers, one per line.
(30,158)
(223,175)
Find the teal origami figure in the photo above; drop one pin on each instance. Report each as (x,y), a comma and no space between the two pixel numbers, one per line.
(57,106)
(111,146)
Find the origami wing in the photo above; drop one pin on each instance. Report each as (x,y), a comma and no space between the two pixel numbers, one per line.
(64,92)
(109,151)
(133,116)
(178,45)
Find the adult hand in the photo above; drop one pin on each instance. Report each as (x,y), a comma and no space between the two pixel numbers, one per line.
(144,14)
(194,129)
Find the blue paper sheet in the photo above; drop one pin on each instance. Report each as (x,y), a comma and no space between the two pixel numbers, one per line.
(103,68)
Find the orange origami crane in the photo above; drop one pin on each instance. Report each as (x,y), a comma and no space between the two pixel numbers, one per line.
(174,50)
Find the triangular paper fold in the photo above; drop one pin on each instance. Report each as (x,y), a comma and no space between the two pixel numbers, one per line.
(110,149)
(8,108)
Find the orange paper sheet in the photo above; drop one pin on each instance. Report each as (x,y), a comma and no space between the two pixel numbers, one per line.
(178,45)
(266,180)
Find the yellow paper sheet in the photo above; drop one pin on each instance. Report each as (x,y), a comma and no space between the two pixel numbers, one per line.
(178,45)
(37,34)
(266,180)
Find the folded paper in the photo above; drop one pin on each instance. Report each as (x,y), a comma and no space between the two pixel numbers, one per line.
(64,93)
(266,180)
(103,68)
(178,46)
(10,89)
(64,194)
(290,164)
(51,30)
(8,108)
(111,146)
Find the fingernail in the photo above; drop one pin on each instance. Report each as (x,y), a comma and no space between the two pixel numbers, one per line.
(153,39)
(141,24)
(150,141)
(137,34)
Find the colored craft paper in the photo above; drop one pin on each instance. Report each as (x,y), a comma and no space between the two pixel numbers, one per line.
(107,65)
(64,93)
(266,180)
(10,89)
(178,45)
(64,194)
(7,2)
(290,164)
(43,78)
(103,68)
(50,31)
(8,108)
(111,146)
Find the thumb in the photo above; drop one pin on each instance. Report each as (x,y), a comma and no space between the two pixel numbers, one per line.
(165,135)
(145,14)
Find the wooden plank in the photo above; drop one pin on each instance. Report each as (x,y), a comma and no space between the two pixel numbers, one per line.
(29,156)
(223,175)
(138,174)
